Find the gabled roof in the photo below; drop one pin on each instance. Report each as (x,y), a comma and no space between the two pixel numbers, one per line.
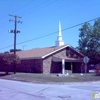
(41,52)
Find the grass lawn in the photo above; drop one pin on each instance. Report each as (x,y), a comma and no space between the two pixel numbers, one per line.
(49,78)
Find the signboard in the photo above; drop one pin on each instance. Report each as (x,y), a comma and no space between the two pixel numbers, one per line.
(86,59)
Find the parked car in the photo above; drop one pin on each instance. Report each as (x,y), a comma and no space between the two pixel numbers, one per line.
(91,68)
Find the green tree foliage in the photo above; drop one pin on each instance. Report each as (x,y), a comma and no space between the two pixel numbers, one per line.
(12,50)
(7,59)
(89,42)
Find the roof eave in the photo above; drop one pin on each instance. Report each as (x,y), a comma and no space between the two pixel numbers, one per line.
(61,49)
(55,51)
(27,58)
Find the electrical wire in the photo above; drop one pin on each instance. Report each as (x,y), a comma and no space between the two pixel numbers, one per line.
(28,10)
(66,16)
(51,33)
(18,9)
(43,7)
(50,10)
(33,9)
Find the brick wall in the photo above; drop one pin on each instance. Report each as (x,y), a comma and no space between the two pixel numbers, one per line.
(26,66)
(47,64)
(31,65)
(50,66)
(56,67)
(53,67)
(38,65)
(61,53)
(64,53)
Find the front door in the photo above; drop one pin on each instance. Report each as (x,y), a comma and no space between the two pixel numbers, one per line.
(67,66)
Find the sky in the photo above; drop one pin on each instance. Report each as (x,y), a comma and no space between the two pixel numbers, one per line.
(40,20)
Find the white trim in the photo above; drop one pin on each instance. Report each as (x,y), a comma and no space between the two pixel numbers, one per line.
(60,49)
(55,51)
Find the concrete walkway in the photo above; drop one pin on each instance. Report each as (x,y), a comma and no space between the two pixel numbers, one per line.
(14,90)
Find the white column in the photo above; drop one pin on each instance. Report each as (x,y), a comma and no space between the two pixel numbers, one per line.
(63,66)
(71,67)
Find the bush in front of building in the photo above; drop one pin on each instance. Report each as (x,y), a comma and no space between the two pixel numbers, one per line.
(97,69)
(7,60)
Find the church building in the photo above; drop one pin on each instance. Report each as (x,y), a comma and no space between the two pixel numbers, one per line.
(61,58)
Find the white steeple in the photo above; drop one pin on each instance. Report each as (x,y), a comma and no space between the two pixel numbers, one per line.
(59,41)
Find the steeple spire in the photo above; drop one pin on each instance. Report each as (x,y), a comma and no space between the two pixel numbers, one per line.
(59,41)
(59,33)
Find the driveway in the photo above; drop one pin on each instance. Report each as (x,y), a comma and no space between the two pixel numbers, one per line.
(15,90)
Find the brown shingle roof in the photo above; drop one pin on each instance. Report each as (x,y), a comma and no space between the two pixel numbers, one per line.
(40,52)
(37,53)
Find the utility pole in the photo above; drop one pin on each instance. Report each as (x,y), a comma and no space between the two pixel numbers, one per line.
(15,31)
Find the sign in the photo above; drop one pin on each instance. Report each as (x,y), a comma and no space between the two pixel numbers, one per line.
(86,59)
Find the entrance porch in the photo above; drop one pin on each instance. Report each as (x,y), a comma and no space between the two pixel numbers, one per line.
(69,65)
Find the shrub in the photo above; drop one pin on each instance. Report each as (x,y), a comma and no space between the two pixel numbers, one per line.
(97,69)
(7,59)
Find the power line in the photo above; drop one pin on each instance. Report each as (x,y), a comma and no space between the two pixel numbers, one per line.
(14,11)
(32,9)
(50,10)
(51,33)
(57,31)
(28,10)
(48,4)
(17,9)
(62,17)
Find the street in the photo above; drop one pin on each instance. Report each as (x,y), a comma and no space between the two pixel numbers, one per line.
(15,90)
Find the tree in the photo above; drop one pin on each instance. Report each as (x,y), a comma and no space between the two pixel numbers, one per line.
(7,59)
(12,50)
(89,42)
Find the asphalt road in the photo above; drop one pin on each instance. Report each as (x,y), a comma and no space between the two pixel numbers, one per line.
(14,90)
